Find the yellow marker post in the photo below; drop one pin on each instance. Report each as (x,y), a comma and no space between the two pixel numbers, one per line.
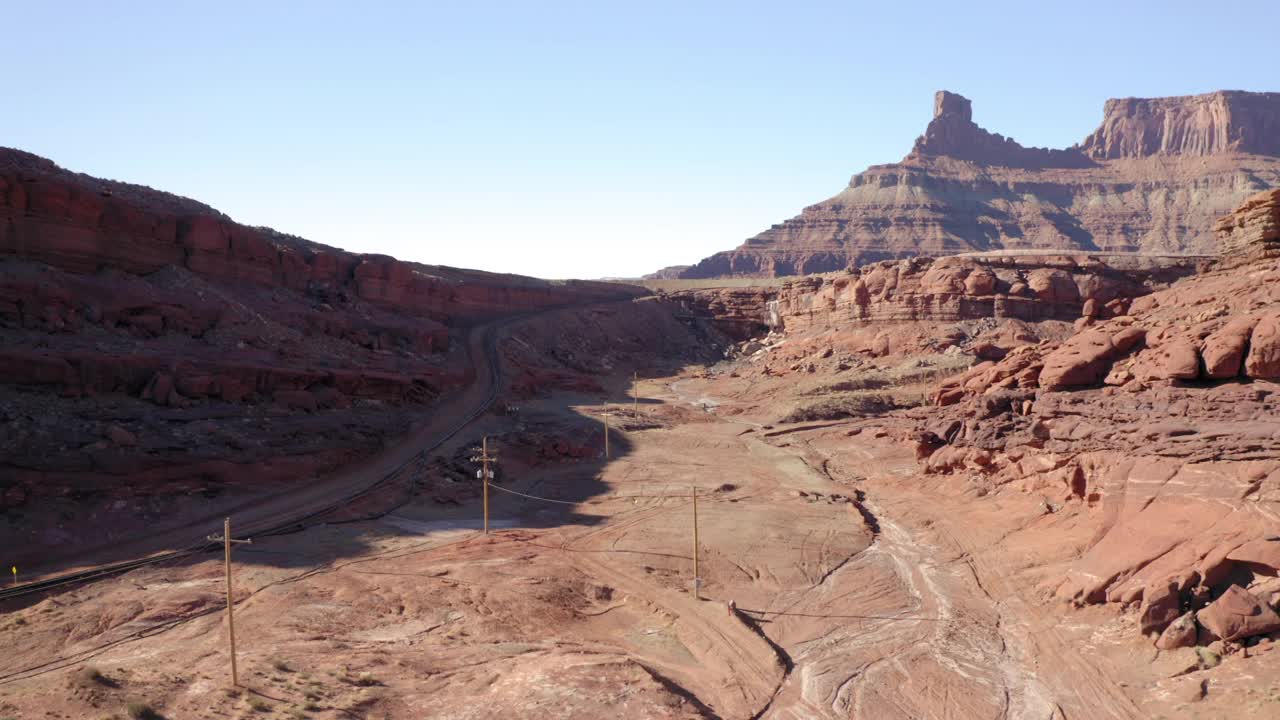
(15,574)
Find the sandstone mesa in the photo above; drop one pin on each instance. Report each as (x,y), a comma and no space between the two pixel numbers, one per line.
(1153,178)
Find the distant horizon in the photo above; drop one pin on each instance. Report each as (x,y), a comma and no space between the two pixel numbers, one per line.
(569,140)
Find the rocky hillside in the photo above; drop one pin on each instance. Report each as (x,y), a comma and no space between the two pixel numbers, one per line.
(1152,178)
(1030,288)
(1100,433)
(151,348)
(1157,430)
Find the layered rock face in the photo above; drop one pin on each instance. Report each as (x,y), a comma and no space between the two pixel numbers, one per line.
(82,224)
(1194,125)
(147,337)
(1027,288)
(1252,232)
(1157,431)
(1152,179)
(952,133)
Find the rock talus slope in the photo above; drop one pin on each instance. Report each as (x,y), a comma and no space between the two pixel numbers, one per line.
(1152,178)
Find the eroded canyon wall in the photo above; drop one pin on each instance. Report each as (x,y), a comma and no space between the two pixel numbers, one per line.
(149,344)
(1155,430)
(1022,287)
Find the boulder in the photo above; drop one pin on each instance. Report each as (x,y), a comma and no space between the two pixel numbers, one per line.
(1180,633)
(1053,286)
(1224,349)
(1161,605)
(989,351)
(1263,361)
(980,282)
(1085,359)
(1180,360)
(1238,614)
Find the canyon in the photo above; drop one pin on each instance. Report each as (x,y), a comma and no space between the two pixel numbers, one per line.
(154,352)
(1035,484)
(1152,179)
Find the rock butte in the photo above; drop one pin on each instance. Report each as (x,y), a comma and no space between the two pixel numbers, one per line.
(1152,178)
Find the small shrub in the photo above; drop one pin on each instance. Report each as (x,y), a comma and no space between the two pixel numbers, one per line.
(281,665)
(143,711)
(259,705)
(92,675)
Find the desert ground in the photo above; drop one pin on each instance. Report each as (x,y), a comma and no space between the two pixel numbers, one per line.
(836,581)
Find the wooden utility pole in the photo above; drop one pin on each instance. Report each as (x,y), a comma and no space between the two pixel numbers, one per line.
(696,580)
(605,416)
(484,454)
(635,393)
(231,624)
(484,458)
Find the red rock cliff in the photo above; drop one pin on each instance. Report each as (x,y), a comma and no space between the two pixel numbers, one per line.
(1152,179)
(82,224)
(151,345)
(1030,288)
(1195,125)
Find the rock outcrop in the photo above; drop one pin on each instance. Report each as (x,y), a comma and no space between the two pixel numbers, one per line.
(1028,288)
(1157,427)
(1193,125)
(1151,179)
(952,133)
(148,338)
(81,224)
(1252,232)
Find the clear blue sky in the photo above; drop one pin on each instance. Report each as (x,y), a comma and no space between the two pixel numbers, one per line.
(572,139)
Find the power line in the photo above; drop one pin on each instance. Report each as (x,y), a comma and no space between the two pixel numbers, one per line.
(595,498)
(535,497)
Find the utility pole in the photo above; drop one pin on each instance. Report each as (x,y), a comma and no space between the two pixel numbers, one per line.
(635,393)
(484,458)
(231,625)
(696,580)
(605,416)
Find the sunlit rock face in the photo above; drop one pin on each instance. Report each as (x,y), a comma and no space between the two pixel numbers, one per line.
(1152,178)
